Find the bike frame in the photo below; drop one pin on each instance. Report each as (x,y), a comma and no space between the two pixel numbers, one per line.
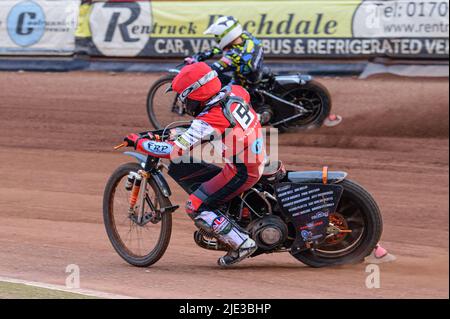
(150,165)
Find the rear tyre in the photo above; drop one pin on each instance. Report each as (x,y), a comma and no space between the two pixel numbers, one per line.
(363,217)
(314,97)
(160,235)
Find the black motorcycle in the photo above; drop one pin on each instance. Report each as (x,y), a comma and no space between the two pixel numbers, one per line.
(320,217)
(292,101)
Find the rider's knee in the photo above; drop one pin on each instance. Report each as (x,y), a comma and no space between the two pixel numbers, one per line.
(193,206)
(190,210)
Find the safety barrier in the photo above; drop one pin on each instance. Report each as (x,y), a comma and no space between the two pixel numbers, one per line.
(292,29)
(299,29)
(37,27)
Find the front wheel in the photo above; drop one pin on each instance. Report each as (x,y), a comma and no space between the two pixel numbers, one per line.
(359,215)
(164,108)
(140,244)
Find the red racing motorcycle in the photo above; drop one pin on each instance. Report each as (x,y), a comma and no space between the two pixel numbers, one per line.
(321,218)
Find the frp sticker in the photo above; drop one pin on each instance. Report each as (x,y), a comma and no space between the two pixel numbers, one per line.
(158,148)
(121,28)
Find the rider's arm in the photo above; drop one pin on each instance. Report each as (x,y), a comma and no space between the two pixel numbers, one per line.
(228,62)
(203,56)
(198,132)
(209,54)
(243,59)
(225,64)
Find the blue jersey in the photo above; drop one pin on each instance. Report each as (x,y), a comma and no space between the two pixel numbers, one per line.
(244,59)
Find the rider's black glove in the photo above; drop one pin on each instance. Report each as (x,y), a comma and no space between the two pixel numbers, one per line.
(132,140)
(202,56)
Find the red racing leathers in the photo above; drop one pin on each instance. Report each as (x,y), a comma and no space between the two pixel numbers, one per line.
(242,147)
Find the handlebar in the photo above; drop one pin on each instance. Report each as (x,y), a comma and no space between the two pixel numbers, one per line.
(180,65)
(159,135)
(124,144)
(198,57)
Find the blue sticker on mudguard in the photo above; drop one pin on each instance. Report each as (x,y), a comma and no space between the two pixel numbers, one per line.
(306,235)
(158,148)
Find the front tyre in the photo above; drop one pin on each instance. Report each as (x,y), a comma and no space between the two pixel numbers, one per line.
(357,211)
(164,108)
(139,245)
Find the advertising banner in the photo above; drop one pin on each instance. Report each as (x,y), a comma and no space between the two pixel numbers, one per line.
(303,28)
(38,27)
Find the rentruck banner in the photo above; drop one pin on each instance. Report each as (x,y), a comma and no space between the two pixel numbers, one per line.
(38,27)
(288,29)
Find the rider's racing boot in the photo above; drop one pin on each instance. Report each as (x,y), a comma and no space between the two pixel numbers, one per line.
(234,256)
(225,230)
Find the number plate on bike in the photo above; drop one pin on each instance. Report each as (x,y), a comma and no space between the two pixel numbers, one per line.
(308,207)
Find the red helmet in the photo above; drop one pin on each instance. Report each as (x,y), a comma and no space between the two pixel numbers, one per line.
(196,83)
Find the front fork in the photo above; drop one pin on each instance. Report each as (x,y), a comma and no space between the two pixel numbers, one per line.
(138,193)
(137,186)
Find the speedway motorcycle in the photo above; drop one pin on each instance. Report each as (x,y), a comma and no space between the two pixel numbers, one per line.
(321,218)
(294,101)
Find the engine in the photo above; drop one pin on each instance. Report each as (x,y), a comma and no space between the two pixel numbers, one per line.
(269,232)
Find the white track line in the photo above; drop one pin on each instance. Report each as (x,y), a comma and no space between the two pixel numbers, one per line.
(85,292)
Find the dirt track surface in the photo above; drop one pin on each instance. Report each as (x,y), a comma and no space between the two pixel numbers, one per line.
(56,134)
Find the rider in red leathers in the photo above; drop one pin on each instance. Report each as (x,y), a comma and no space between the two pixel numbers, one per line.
(224,117)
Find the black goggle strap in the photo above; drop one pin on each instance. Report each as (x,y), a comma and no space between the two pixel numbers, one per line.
(195,86)
(226,107)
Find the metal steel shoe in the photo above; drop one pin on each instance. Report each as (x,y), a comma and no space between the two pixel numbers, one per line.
(265,117)
(234,256)
(333,120)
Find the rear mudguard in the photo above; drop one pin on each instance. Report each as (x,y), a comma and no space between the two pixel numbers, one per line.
(316,177)
(309,206)
(300,79)
(157,176)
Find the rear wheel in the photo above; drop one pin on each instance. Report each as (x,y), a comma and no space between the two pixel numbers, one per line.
(164,108)
(138,244)
(357,213)
(312,96)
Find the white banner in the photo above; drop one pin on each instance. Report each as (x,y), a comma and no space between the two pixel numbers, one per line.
(38,27)
(121,28)
(402,18)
